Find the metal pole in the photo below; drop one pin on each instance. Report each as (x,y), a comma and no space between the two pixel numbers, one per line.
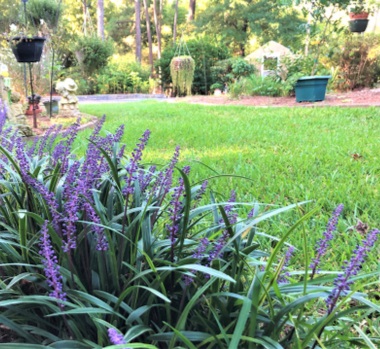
(26,23)
(32,97)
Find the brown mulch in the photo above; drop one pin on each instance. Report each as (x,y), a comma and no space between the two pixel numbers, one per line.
(358,98)
(44,122)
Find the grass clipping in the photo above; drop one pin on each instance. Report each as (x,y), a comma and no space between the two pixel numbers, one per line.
(182,73)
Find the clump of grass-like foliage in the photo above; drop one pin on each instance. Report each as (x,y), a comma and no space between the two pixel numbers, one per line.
(102,250)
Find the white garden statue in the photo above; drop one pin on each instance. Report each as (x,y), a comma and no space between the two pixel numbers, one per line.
(69,101)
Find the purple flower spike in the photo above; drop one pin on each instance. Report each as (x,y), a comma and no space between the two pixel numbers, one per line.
(288,256)
(119,133)
(116,337)
(351,268)
(101,240)
(201,191)
(323,243)
(2,115)
(51,267)
(199,252)
(251,213)
(133,165)
(222,241)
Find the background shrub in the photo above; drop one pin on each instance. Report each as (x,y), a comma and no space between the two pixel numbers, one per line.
(229,70)
(122,75)
(48,10)
(205,55)
(92,53)
(357,62)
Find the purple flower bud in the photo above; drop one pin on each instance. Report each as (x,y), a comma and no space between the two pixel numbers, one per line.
(116,337)
(288,255)
(48,196)
(145,178)
(51,267)
(201,191)
(133,164)
(251,213)
(323,243)
(342,282)
(119,133)
(164,180)
(232,217)
(101,244)
(3,115)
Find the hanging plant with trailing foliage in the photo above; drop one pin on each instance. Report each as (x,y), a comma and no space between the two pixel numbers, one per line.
(182,74)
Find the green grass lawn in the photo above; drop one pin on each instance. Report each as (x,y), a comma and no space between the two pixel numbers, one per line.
(331,155)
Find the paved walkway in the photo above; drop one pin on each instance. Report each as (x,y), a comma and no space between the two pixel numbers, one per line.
(117,98)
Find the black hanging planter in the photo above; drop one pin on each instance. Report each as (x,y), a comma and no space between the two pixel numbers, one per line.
(358,25)
(28,50)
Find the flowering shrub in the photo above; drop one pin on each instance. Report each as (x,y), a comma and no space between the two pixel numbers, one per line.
(103,250)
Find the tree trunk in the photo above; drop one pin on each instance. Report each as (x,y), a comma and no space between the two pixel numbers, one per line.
(175,22)
(191,14)
(242,44)
(100,18)
(84,3)
(157,22)
(138,30)
(149,34)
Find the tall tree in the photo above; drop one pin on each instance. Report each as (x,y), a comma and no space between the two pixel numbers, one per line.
(175,21)
(191,15)
(138,30)
(100,18)
(148,33)
(157,12)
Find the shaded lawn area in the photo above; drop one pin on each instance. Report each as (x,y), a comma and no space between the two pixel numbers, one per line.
(331,155)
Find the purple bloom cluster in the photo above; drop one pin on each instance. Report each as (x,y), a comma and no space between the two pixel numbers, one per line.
(101,244)
(199,253)
(116,337)
(71,207)
(351,268)
(48,196)
(175,210)
(288,256)
(232,218)
(6,144)
(323,243)
(251,213)
(165,180)
(133,165)
(2,114)
(51,267)
(145,177)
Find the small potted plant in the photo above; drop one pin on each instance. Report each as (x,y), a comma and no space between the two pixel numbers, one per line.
(358,13)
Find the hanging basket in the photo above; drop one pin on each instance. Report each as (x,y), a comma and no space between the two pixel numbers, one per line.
(28,50)
(358,25)
(361,15)
(182,74)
